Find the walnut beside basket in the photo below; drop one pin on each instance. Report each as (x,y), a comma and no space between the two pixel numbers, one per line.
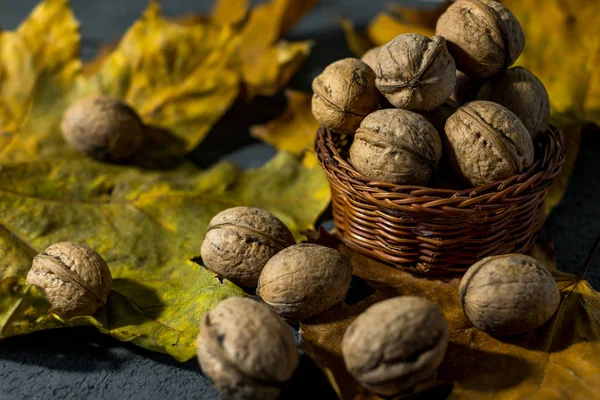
(437,231)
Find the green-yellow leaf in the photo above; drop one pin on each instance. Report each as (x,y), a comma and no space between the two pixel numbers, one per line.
(148,226)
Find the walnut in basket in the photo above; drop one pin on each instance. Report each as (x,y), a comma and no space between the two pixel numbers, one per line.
(523,94)
(396,146)
(484,37)
(344,94)
(508,294)
(486,142)
(415,72)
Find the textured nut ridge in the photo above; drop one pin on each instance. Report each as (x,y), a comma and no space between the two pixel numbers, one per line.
(395,344)
(508,294)
(344,94)
(396,146)
(240,240)
(486,142)
(415,72)
(304,280)
(75,278)
(246,349)
(483,36)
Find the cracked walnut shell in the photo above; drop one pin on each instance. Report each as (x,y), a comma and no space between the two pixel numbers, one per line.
(103,128)
(75,278)
(304,280)
(396,344)
(344,94)
(508,294)
(396,146)
(485,142)
(483,36)
(415,72)
(240,240)
(246,349)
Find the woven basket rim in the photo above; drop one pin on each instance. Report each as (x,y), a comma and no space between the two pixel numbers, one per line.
(549,158)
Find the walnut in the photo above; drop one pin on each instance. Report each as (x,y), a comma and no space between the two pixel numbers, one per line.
(523,94)
(240,240)
(75,278)
(396,146)
(246,349)
(508,294)
(344,94)
(370,57)
(415,72)
(483,36)
(304,280)
(103,128)
(486,142)
(396,344)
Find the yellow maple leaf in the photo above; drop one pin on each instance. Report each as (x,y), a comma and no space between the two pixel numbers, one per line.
(181,77)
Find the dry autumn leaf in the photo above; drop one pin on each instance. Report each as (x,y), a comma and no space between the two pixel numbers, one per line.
(179,77)
(555,51)
(295,129)
(148,226)
(559,360)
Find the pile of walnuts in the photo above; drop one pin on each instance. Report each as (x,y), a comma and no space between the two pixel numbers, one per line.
(405,101)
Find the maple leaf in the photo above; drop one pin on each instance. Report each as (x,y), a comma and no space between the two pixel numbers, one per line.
(562,48)
(148,226)
(180,77)
(561,359)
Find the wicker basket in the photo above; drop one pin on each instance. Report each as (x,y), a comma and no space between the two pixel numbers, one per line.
(437,231)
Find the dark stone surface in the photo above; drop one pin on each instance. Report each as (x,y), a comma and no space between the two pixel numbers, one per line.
(80,363)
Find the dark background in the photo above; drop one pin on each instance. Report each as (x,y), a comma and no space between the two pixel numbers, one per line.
(80,363)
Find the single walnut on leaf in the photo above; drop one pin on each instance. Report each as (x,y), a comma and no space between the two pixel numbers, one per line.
(344,94)
(486,142)
(240,240)
(103,128)
(246,349)
(483,36)
(415,72)
(396,344)
(508,294)
(396,146)
(75,278)
(304,280)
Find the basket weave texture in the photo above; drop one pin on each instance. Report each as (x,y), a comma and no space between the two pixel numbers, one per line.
(437,231)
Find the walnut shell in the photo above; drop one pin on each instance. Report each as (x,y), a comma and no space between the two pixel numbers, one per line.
(440,115)
(483,36)
(486,142)
(304,280)
(344,94)
(240,240)
(246,349)
(508,294)
(75,278)
(103,128)
(523,94)
(396,344)
(370,57)
(415,72)
(396,146)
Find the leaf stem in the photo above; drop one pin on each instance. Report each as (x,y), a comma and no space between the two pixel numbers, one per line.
(590,259)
